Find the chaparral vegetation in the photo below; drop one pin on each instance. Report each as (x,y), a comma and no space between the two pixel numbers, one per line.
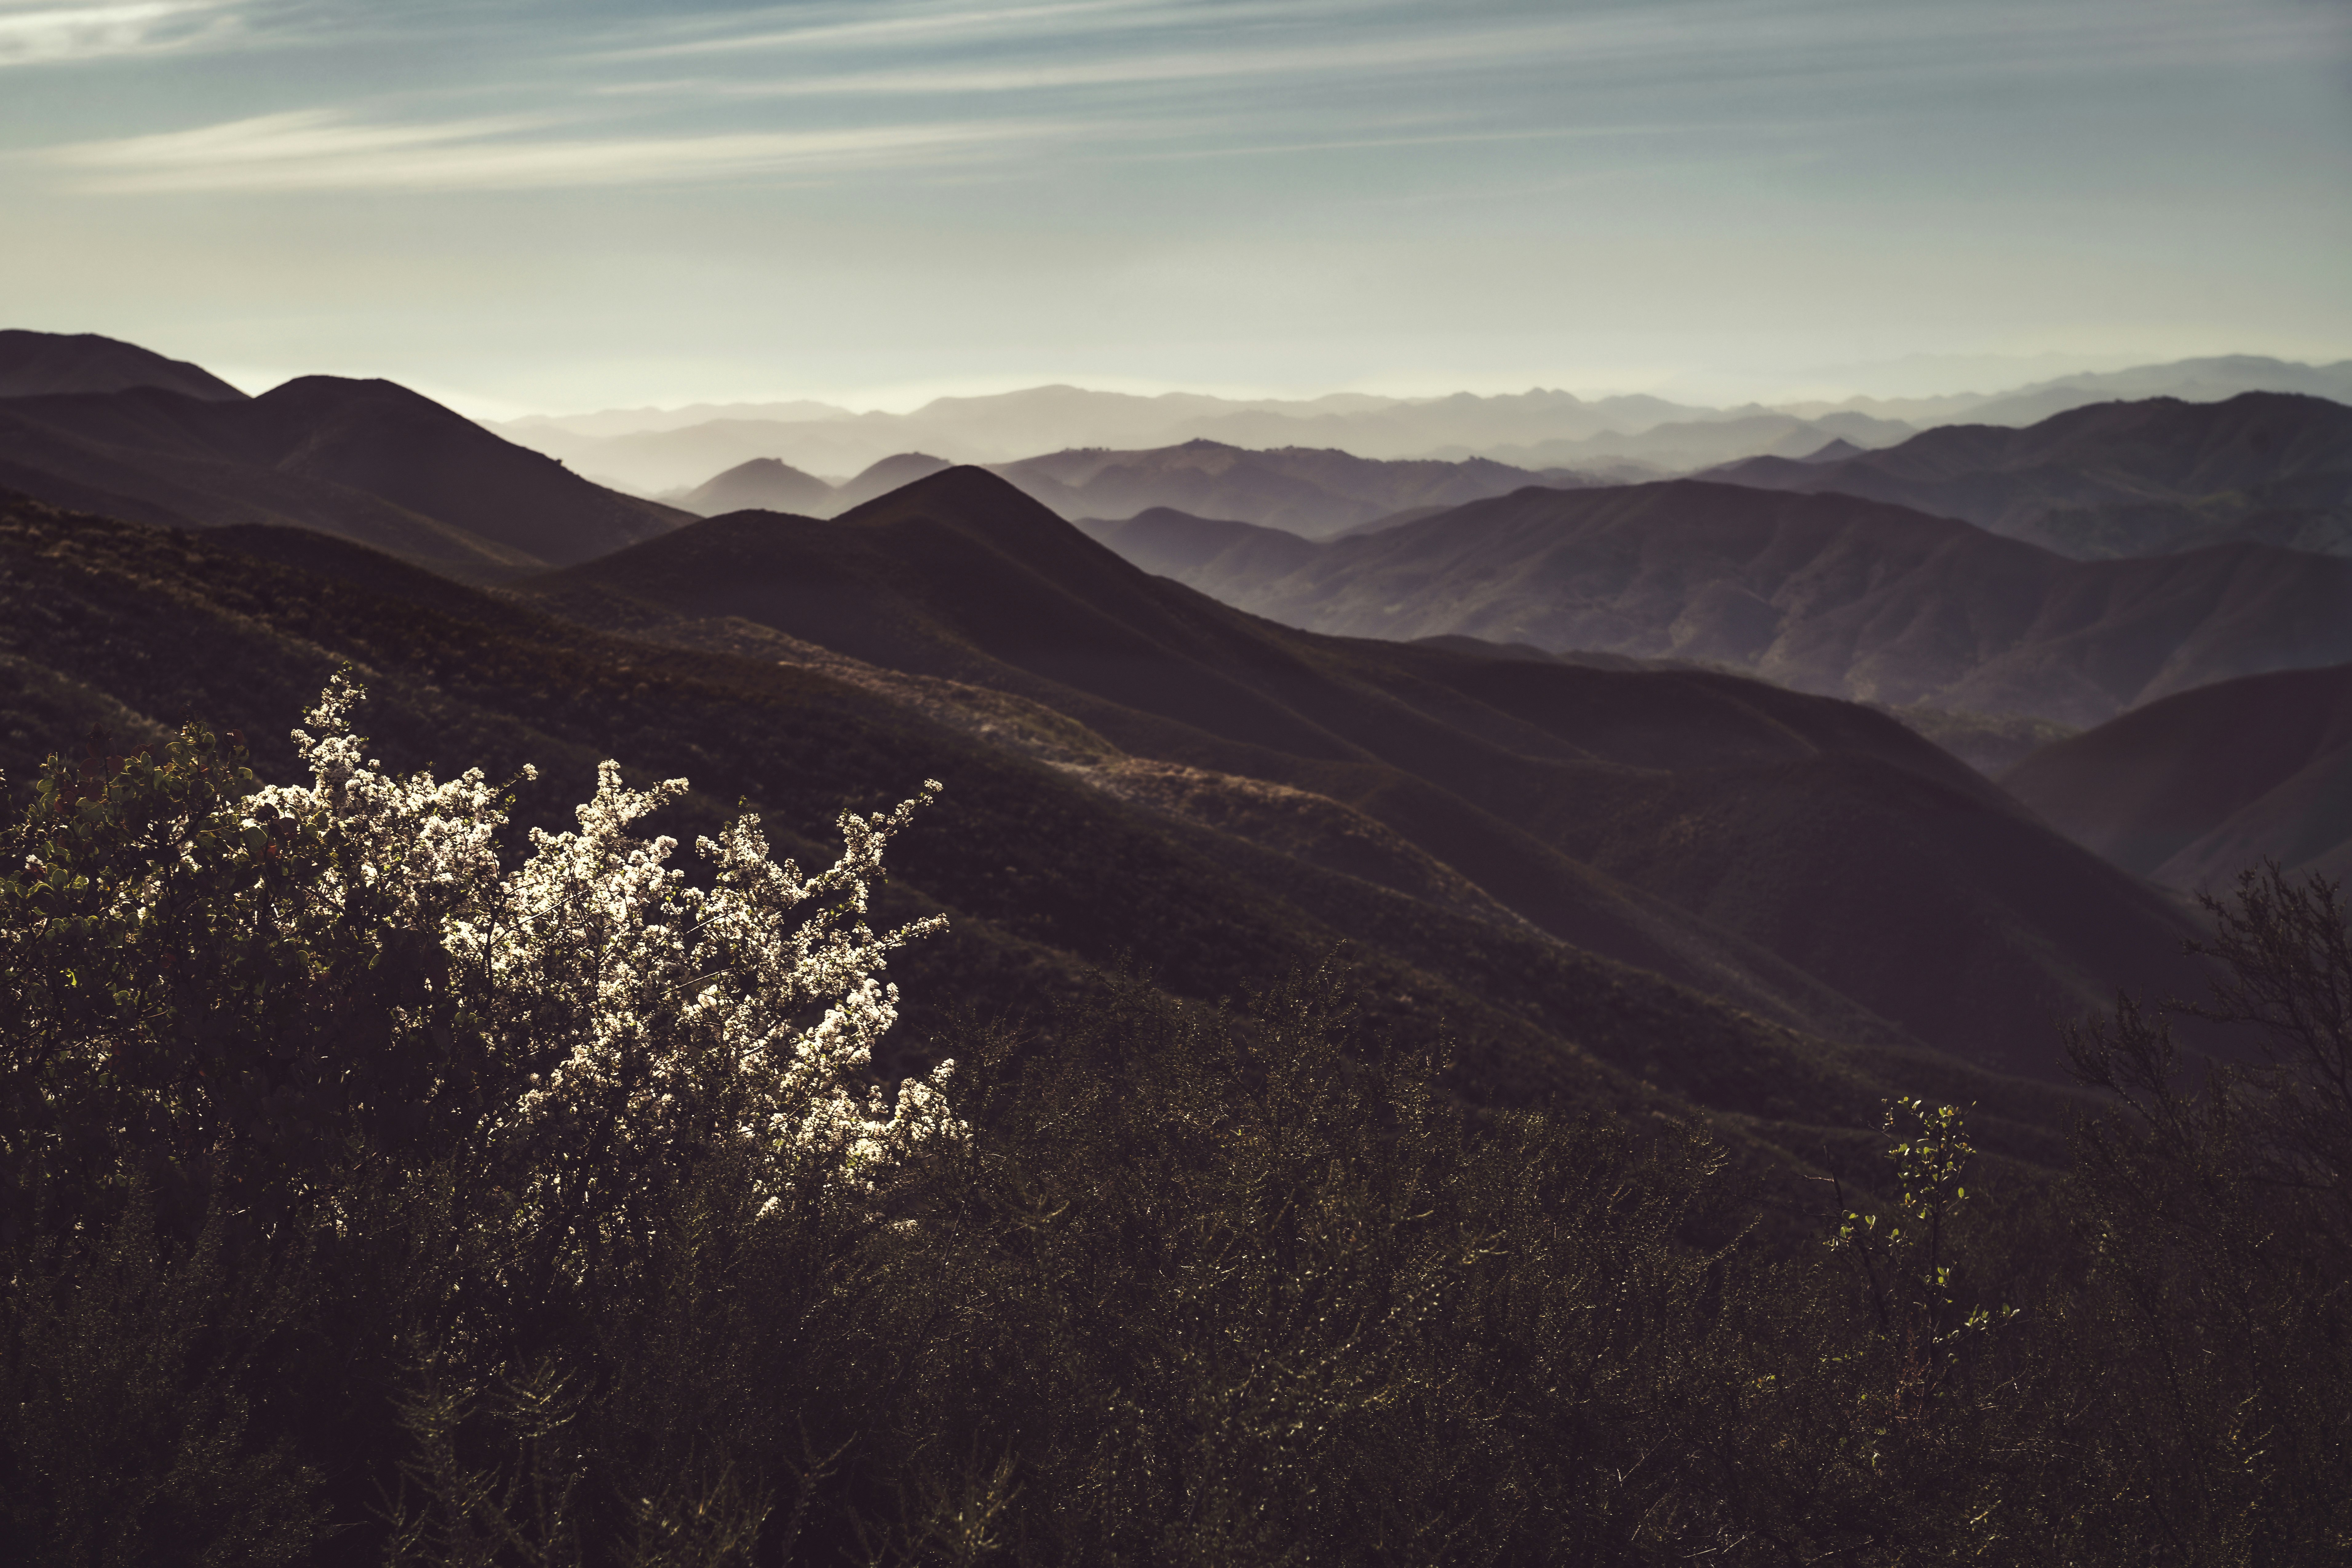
(382,1184)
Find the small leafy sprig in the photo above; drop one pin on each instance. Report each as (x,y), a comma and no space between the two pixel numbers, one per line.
(1903,1256)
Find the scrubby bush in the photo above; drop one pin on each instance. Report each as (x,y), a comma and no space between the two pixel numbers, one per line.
(370,1199)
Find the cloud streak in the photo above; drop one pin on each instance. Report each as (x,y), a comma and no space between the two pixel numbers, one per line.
(923,27)
(1696,39)
(321,150)
(54,31)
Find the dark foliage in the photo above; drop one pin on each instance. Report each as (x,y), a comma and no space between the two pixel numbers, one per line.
(1263,1293)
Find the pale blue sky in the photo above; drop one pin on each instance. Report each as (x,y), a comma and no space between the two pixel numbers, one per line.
(524,205)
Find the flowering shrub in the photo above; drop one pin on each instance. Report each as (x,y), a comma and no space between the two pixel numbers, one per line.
(232,980)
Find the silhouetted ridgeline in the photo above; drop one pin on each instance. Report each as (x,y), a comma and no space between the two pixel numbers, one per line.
(366,460)
(34,364)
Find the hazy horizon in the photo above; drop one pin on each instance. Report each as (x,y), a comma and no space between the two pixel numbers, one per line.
(519,208)
(1912,376)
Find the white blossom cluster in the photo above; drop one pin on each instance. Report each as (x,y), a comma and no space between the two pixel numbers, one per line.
(647,1018)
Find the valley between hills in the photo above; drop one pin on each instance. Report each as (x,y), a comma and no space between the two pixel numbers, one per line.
(1632,790)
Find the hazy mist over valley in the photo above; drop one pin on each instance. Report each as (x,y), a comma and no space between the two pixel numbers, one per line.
(1176,782)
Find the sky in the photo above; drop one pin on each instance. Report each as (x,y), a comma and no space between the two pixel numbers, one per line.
(554,206)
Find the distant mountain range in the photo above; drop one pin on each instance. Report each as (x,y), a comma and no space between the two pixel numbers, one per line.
(1311,493)
(2117,479)
(2208,380)
(656,451)
(2193,789)
(962,597)
(1682,444)
(1821,592)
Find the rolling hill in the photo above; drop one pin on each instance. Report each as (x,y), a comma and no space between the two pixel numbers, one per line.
(762,483)
(2113,478)
(1821,592)
(1765,846)
(2192,790)
(367,460)
(33,364)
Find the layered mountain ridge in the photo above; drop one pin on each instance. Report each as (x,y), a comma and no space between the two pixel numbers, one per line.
(2115,478)
(654,451)
(1823,592)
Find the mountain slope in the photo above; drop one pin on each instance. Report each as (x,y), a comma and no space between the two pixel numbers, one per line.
(1047,879)
(1172,544)
(1823,592)
(2113,478)
(35,365)
(367,460)
(2193,789)
(1532,781)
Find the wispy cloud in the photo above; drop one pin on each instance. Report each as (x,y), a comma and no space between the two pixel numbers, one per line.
(321,150)
(1096,43)
(927,26)
(38,32)
(1348,56)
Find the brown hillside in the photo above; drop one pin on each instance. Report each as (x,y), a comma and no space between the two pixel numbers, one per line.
(1529,779)
(34,364)
(2194,789)
(364,460)
(1823,592)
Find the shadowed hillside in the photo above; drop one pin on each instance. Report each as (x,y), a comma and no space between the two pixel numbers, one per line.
(1821,592)
(367,460)
(33,364)
(1172,544)
(1050,875)
(2115,478)
(2192,790)
(1745,839)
